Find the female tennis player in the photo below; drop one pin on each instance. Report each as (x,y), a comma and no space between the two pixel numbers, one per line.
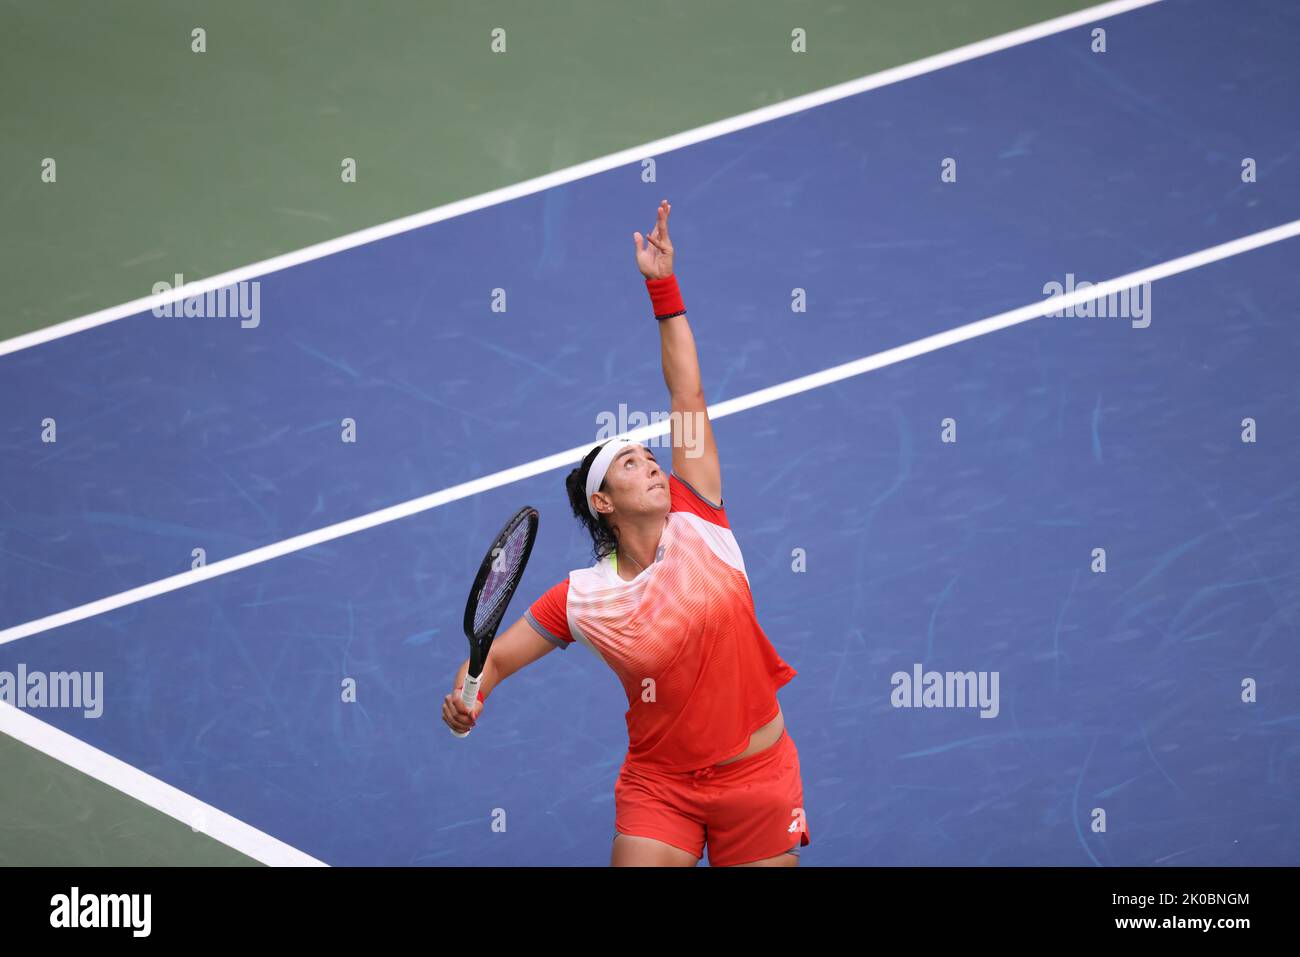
(667,606)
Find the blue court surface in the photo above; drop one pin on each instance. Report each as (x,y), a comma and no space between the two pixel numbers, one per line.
(1119,690)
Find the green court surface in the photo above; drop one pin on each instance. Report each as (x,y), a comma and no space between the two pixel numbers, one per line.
(53,815)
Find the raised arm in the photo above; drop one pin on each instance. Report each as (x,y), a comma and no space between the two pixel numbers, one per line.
(695,453)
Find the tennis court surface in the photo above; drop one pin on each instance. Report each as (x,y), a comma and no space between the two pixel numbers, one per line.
(948,502)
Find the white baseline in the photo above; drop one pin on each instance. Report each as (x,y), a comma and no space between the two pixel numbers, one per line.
(149,790)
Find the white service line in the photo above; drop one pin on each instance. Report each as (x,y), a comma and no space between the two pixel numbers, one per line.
(573,455)
(149,790)
(590,168)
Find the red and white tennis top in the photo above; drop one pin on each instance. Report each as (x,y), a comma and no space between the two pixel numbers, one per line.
(699,673)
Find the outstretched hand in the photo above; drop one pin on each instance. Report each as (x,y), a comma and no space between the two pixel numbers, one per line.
(654,256)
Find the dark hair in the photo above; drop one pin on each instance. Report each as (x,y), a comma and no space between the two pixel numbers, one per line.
(602,536)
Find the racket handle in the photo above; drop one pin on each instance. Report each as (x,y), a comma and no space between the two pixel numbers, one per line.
(468,697)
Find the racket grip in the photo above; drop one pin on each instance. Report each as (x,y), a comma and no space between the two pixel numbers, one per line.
(468,697)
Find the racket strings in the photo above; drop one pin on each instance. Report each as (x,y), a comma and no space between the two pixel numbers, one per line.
(501,578)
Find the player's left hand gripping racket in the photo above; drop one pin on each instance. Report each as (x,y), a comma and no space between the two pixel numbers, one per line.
(494,585)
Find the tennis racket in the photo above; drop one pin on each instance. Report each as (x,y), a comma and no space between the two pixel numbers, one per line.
(494,585)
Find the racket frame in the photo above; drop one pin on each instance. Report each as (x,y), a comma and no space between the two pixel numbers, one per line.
(480,642)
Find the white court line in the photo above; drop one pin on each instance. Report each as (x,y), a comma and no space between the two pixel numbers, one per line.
(590,168)
(149,790)
(728,407)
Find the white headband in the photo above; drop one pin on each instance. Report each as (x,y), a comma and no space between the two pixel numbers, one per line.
(600,466)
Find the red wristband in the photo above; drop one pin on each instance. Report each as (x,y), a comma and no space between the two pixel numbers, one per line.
(665,297)
(480,696)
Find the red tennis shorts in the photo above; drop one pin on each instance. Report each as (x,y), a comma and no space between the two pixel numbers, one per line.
(748,810)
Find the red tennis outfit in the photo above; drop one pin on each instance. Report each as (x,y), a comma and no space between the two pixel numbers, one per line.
(700,677)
